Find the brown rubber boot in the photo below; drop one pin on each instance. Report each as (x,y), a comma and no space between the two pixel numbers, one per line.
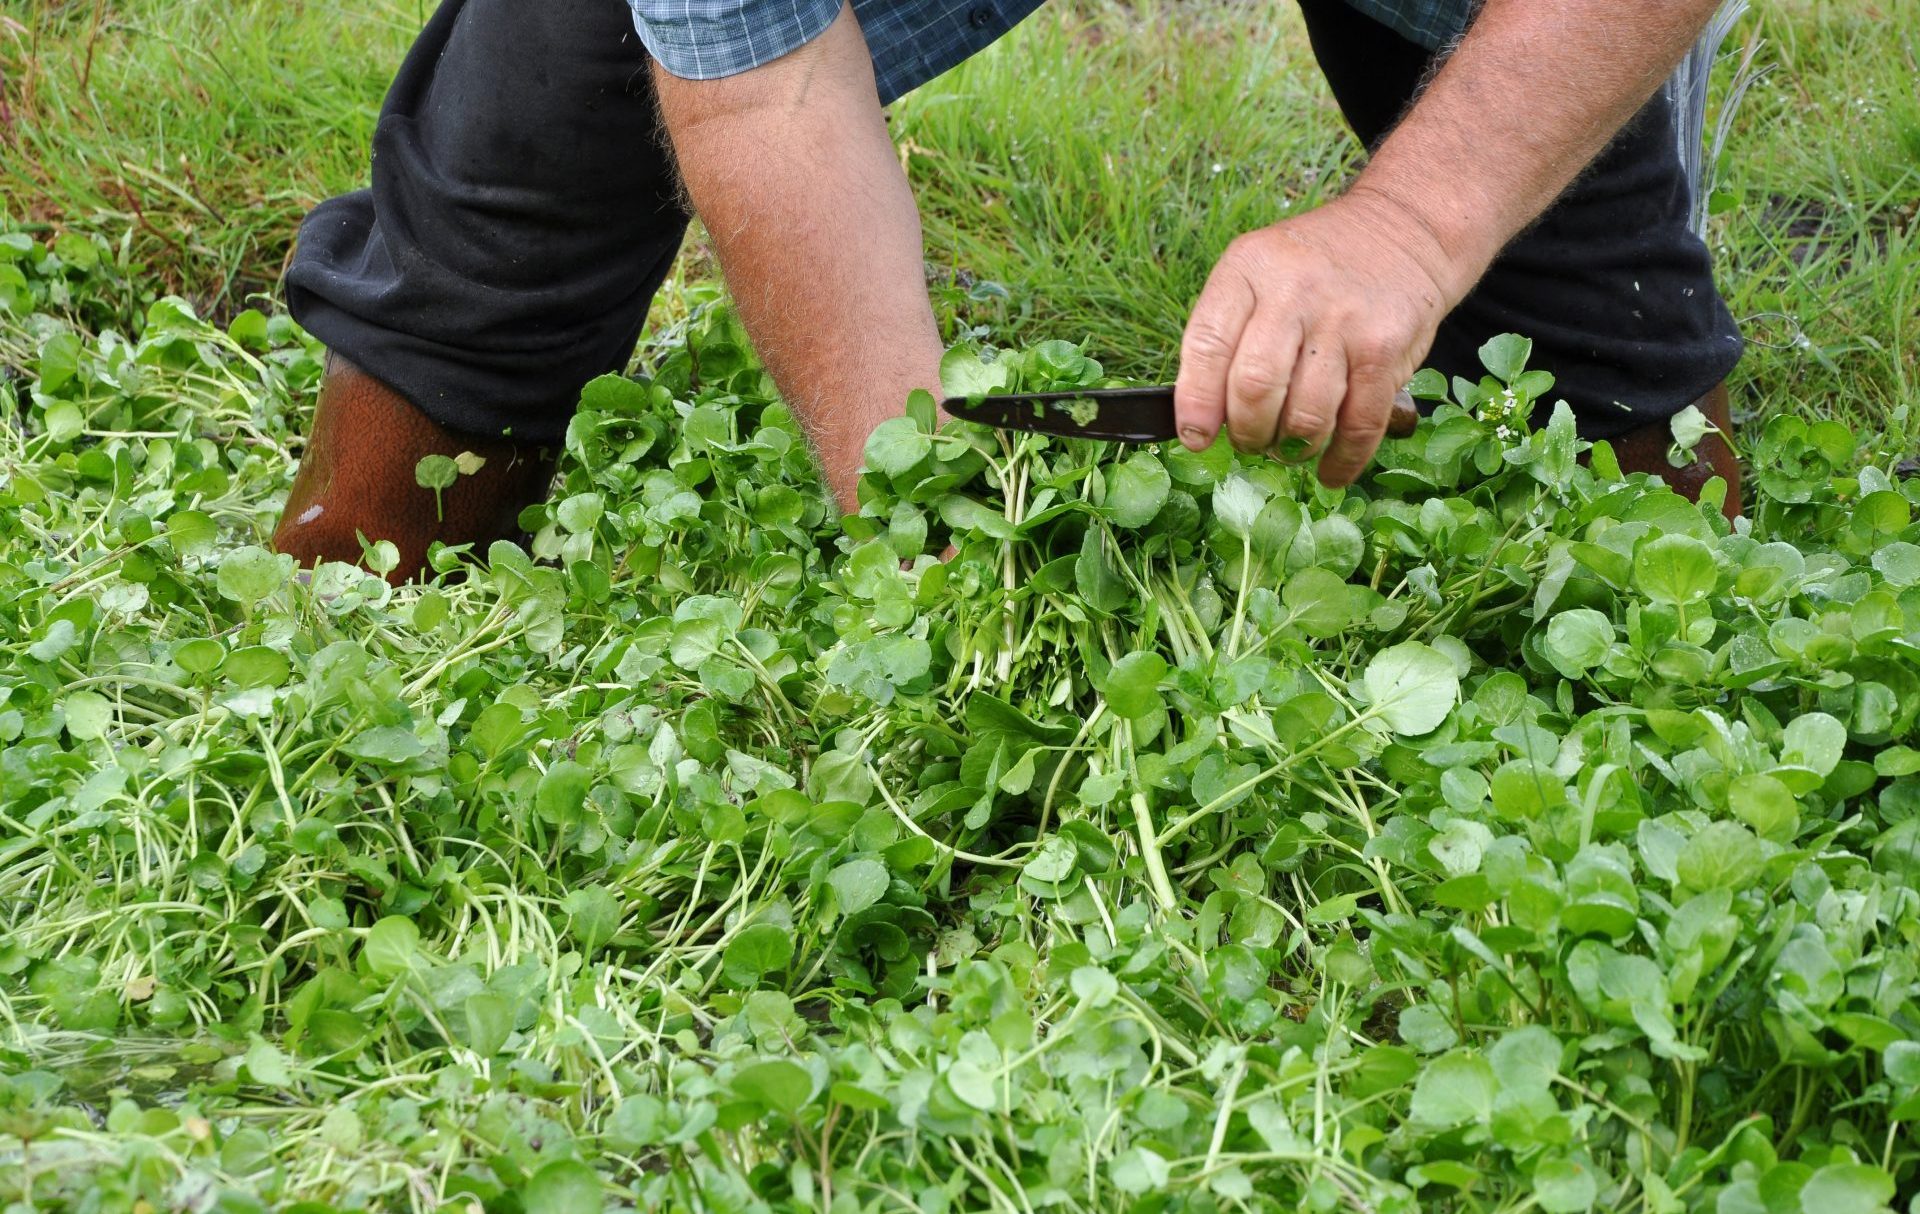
(357,476)
(1645,450)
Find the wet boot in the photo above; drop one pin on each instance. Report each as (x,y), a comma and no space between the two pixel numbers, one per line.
(357,478)
(1645,450)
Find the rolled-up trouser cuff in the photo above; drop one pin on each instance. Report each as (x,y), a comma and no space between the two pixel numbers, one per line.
(523,212)
(501,368)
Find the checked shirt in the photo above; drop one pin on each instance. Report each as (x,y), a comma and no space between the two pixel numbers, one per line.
(912,41)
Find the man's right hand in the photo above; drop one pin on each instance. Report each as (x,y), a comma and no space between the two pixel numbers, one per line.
(790,167)
(1307,329)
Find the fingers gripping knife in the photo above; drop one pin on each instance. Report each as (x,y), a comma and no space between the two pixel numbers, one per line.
(1145,415)
(1124,415)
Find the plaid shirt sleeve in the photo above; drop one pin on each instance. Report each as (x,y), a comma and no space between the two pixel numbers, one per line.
(707,39)
(1429,23)
(911,41)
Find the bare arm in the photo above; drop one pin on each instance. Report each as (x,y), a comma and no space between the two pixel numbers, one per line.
(790,167)
(1531,96)
(1307,327)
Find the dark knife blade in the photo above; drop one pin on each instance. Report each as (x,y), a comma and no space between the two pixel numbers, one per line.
(1124,415)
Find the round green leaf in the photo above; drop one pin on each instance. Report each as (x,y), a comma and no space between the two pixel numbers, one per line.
(1765,804)
(1883,513)
(341,1128)
(1427,1028)
(1897,761)
(1132,689)
(1903,1063)
(191,533)
(1506,356)
(1321,603)
(1454,1089)
(1460,846)
(1723,855)
(1577,641)
(59,361)
(754,951)
(964,373)
(435,472)
(1053,861)
(1136,490)
(1236,504)
(199,655)
(562,791)
(858,884)
(256,666)
(1140,1170)
(1846,1188)
(1094,986)
(1565,1186)
(489,1022)
(64,421)
(250,574)
(392,947)
(564,1186)
(896,445)
(1526,1059)
(778,1084)
(1674,569)
(267,1066)
(972,1085)
(88,715)
(694,641)
(580,512)
(390,744)
(593,916)
(1898,562)
(1412,687)
(1815,740)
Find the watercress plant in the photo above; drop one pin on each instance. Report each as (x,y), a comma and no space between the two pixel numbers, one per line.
(1501,834)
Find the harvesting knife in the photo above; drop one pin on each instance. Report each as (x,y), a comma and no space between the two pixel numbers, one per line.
(1123,415)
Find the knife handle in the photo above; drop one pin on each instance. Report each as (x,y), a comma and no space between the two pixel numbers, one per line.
(1404,417)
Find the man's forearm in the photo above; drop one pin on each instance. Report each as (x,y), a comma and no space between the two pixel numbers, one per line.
(1531,96)
(791,169)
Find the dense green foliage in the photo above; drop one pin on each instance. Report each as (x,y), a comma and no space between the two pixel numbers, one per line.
(1502,834)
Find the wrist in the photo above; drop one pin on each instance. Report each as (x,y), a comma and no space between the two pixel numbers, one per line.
(843,487)
(1452,250)
(839,438)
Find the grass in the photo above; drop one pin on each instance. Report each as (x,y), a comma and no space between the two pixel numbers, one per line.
(207,130)
(1820,257)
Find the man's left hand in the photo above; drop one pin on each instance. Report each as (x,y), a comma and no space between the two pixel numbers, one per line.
(1307,329)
